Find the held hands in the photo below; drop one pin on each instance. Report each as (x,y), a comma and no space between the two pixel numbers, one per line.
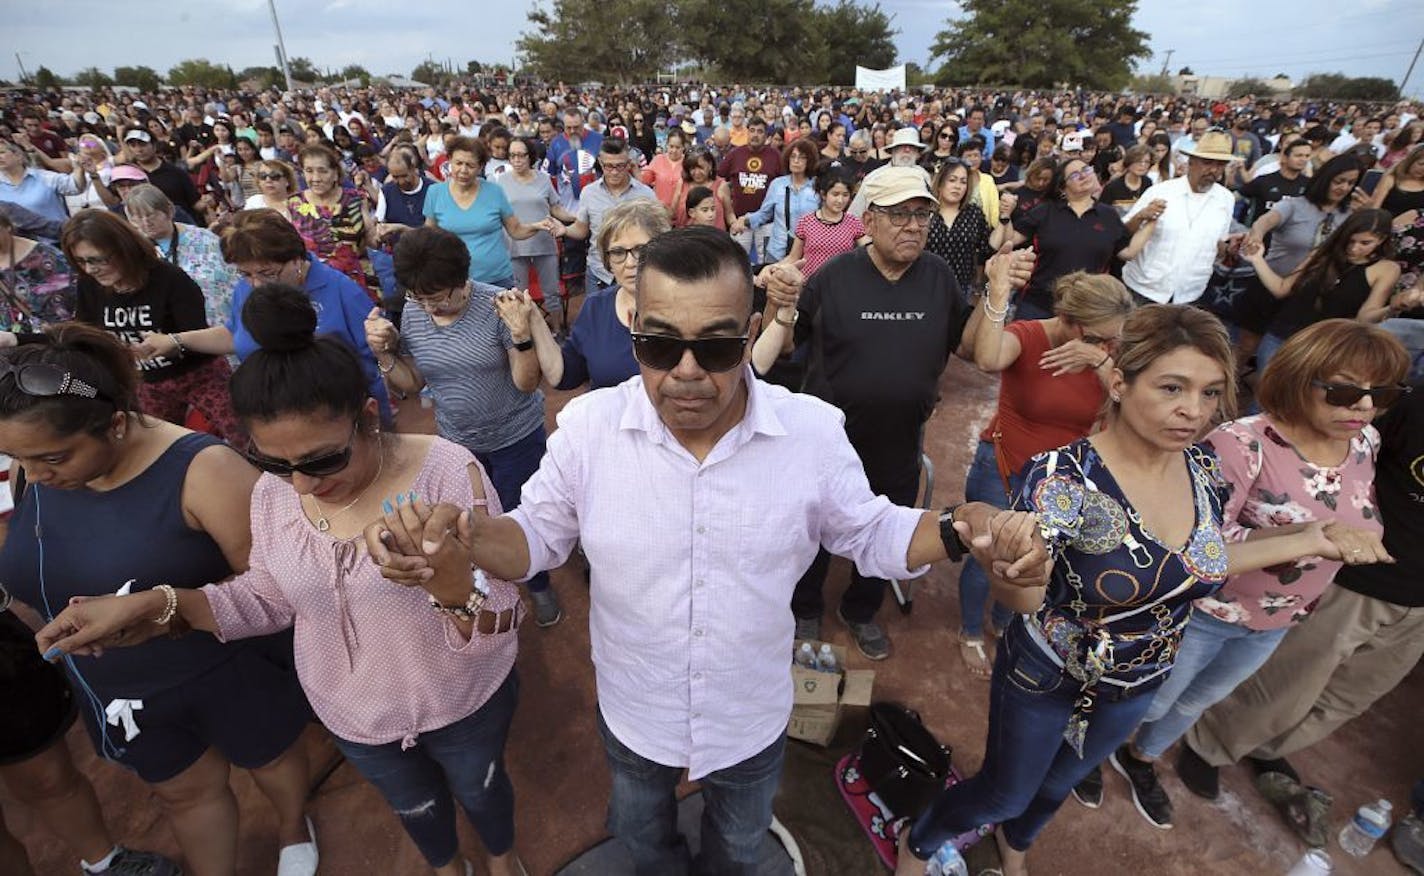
(1007,202)
(516,308)
(1153,211)
(1006,543)
(1009,269)
(553,226)
(1071,357)
(739,226)
(381,334)
(1252,248)
(784,283)
(1353,547)
(88,625)
(417,545)
(153,345)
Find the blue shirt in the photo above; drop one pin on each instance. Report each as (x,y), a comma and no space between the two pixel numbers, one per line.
(481,227)
(341,308)
(804,200)
(40,191)
(599,349)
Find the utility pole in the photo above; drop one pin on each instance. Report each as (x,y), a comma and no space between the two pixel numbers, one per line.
(25,75)
(281,46)
(1167,61)
(1403,82)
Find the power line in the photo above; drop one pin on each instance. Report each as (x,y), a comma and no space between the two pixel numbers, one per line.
(1299,60)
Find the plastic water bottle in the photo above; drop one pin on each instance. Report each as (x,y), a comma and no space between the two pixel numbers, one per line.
(947,862)
(1371,821)
(806,656)
(826,660)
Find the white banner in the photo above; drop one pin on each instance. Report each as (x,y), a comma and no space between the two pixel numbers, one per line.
(880,80)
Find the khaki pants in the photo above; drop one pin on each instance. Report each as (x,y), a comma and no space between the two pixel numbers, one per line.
(1349,653)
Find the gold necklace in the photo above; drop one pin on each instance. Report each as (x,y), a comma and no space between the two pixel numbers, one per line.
(323,522)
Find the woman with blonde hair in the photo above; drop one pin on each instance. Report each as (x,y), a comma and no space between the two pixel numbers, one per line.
(276,183)
(1051,390)
(1308,456)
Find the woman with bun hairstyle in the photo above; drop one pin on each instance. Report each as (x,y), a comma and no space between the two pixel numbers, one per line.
(110,501)
(416,683)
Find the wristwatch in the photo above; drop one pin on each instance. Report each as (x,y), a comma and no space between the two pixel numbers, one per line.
(795,315)
(953,545)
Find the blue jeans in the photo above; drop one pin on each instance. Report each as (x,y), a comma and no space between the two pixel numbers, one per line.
(1266,349)
(466,757)
(508,468)
(982,484)
(1028,767)
(642,812)
(1214,657)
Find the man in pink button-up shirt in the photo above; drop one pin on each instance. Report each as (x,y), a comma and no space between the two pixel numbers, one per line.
(700,495)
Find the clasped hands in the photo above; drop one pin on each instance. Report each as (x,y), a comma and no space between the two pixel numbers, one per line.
(1009,545)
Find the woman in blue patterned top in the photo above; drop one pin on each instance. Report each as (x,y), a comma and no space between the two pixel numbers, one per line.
(1132,516)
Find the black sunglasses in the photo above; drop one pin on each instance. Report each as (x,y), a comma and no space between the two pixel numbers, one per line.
(663,352)
(41,379)
(1343,395)
(323,466)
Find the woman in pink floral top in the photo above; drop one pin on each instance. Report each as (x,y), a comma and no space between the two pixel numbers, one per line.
(1310,456)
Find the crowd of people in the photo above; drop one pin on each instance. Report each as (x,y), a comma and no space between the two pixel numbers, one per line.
(1192,519)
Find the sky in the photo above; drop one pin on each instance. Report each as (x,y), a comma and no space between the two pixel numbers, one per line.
(1213,37)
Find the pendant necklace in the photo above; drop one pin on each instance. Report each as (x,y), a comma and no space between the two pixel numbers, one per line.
(323,521)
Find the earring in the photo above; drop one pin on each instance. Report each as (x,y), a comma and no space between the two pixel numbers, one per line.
(1116,399)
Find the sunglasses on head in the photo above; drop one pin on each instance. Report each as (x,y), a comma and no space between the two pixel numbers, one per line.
(664,352)
(43,380)
(1343,395)
(322,466)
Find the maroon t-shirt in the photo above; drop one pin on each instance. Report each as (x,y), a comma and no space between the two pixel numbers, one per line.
(748,173)
(49,143)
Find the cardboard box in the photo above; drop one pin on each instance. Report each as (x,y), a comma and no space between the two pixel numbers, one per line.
(820,696)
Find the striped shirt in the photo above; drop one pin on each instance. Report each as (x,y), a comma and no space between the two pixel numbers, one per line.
(693,564)
(466,366)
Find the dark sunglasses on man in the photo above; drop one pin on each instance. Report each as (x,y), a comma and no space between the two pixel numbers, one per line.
(664,352)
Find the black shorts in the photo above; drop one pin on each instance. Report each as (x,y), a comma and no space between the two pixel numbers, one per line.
(38,702)
(250,708)
(1255,307)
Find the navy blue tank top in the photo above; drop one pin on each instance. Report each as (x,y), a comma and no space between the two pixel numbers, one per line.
(65,543)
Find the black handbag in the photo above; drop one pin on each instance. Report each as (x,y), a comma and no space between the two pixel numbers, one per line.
(901,759)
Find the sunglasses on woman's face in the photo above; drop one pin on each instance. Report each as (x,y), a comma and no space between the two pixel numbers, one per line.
(323,466)
(1343,395)
(664,352)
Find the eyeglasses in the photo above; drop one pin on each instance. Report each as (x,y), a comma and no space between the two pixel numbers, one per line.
(1086,173)
(434,302)
(901,218)
(617,255)
(43,380)
(263,277)
(322,466)
(664,352)
(1343,395)
(859,152)
(271,176)
(92,261)
(615,166)
(946,135)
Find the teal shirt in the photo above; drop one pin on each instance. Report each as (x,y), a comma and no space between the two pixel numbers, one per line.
(481,227)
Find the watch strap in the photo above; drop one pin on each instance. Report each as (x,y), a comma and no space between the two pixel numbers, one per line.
(954,546)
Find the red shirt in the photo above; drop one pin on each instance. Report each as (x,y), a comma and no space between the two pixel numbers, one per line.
(1037,411)
(824,241)
(749,173)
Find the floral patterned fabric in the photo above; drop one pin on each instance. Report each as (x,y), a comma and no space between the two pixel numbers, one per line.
(337,236)
(198,253)
(1118,597)
(1271,484)
(37,292)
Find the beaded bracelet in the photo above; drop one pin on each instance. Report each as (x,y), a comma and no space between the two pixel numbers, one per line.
(171,606)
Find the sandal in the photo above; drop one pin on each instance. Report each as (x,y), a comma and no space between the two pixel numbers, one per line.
(976,660)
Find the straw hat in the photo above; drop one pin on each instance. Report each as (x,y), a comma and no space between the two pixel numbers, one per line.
(1213,146)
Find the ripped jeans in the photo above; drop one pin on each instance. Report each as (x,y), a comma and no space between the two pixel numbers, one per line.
(465,758)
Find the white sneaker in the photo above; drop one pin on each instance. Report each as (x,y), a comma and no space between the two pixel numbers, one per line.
(299,859)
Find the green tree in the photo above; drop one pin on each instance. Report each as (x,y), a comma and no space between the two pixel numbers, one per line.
(429,72)
(303,70)
(1185,71)
(265,77)
(356,71)
(474,68)
(776,41)
(1155,83)
(855,34)
(1250,86)
(1339,85)
(614,40)
(1087,43)
(44,79)
(142,78)
(93,77)
(203,73)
